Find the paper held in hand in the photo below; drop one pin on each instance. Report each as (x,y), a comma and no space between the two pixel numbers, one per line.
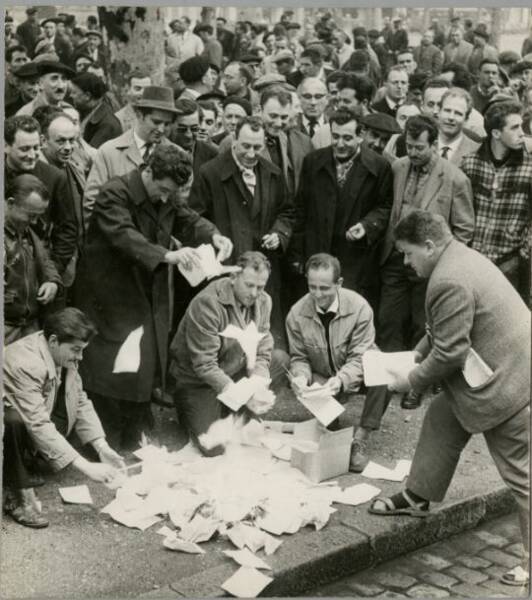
(248,339)
(377,366)
(318,400)
(209,266)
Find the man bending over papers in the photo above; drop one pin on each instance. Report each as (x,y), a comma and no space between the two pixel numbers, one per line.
(44,403)
(473,315)
(329,330)
(206,363)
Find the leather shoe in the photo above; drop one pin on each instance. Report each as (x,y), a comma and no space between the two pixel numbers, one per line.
(358,459)
(411,400)
(29,516)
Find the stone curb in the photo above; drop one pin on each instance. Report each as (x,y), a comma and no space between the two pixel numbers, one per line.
(354,545)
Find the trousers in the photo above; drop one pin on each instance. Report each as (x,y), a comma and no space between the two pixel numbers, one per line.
(440,445)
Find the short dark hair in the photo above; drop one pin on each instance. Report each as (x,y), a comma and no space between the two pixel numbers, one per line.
(324,261)
(461,76)
(137,74)
(314,54)
(496,115)
(20,187)
(170,161)
(186,107)
(69,325)
(342,116)
(12,49)
(276,92)
(416,81)
(90,84)
(334,76)
(244,71)
(255,124)
(222,19)
(436,82)
(19,123)
(358,61)
(421,225)
(363,86)
(488,61)
(417,124)
(256,260)
(205,28)
(208,105)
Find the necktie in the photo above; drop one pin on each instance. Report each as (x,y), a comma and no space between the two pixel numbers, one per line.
(445,151)
(326,319)
(147,152)
(312,123)
(250,179)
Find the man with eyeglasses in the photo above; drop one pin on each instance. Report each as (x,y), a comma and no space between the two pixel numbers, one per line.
(312,121)
(154,113)
(184,133)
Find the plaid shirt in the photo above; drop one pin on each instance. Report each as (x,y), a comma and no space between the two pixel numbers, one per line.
(502,199)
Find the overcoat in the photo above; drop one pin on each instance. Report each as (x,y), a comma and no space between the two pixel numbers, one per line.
(123,282)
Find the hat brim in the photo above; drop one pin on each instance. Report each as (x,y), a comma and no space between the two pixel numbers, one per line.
(93,32)
(156,106)
(67,71)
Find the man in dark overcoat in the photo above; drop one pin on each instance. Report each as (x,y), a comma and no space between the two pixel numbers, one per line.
(140,227)
(244,195)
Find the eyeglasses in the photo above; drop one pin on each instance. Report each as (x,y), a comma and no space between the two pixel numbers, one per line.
(311,96)
(185,128)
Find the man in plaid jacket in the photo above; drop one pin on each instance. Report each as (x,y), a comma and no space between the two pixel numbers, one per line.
(501,177)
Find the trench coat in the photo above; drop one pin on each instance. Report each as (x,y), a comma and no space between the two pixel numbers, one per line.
(123,283)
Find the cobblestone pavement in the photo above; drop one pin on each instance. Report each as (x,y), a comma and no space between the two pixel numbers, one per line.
(467,565)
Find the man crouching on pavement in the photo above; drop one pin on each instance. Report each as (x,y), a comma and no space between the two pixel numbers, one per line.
(44,403)
(204,363)
(329,329)
(472,311)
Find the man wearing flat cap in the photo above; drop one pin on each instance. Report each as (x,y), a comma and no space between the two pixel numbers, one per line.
(30,31)
(95,48)
(481,50)
(60,44)
(285,62)
(53,81)
(155,111)
(26,80)
(377,129)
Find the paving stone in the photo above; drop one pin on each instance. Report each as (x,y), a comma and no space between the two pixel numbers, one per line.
(338,588)
(515,549)
(427,591)
(439,579)
(393,579)
(507,527)
(363,589)
(491,539)
(466,575)
(495,571)
(472,545)
(431,560)
(405,564)
(499,557)
(473,562)
(498,588)
(469,591)
(390,594)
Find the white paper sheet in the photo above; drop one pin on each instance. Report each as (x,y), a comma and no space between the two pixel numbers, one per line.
(248,339)
(245,558)
(376,366)
(476,371)
(128,358)
(324,407)
(246,583)
(209,266)
(76,494)
(179,545)
(357,494)
(239,393)
(198,530)
(375,471)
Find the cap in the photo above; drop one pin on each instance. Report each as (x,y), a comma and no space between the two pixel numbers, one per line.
(381,122)
(283,55)
(94,32)
(52,66)
(373,33)
(27,71)
(250,58)
(508,56)
(397,20)
(212,95)
(245,104)
(481,33)
(268,79)
(193,69)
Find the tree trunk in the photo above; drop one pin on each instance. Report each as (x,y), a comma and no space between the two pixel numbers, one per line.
(135,39)
(496,26)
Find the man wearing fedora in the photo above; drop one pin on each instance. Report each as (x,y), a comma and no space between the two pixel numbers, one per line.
(53,82)
(51,38)
(153,113)
(29,31)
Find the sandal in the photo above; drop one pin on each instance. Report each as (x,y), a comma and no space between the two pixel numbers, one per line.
(400,504)
(516,577)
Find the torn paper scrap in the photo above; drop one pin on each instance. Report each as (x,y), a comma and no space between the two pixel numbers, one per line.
(377,365)
(271,544)
(128,358)
(245,558)
(324,407)
(179,545)
(208,266)
(238,394)
(166,531)
(402,469)
(76,494)
(375,471)
(199,529)
(248,339)
(246,583)
(357,494)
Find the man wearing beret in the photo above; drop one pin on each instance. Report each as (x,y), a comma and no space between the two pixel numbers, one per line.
(53,81)
(377,129)
(197,74)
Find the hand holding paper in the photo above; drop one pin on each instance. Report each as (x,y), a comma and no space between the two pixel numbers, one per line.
(203,264)
(383,368)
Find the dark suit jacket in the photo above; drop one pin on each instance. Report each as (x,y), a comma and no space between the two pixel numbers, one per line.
(102,126)
(365,198)
(383,107)
(29,34)
(58,228)
(203,153)
(63,49)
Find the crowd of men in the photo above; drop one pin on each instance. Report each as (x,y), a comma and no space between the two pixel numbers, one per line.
(298,152)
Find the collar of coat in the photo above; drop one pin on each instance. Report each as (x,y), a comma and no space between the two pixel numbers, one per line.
(99,113)
(42,344)
(135,185)
(369,158)
(308,309)
(228,168)
(515,157)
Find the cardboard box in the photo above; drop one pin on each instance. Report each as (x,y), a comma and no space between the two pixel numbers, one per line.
(322,454)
